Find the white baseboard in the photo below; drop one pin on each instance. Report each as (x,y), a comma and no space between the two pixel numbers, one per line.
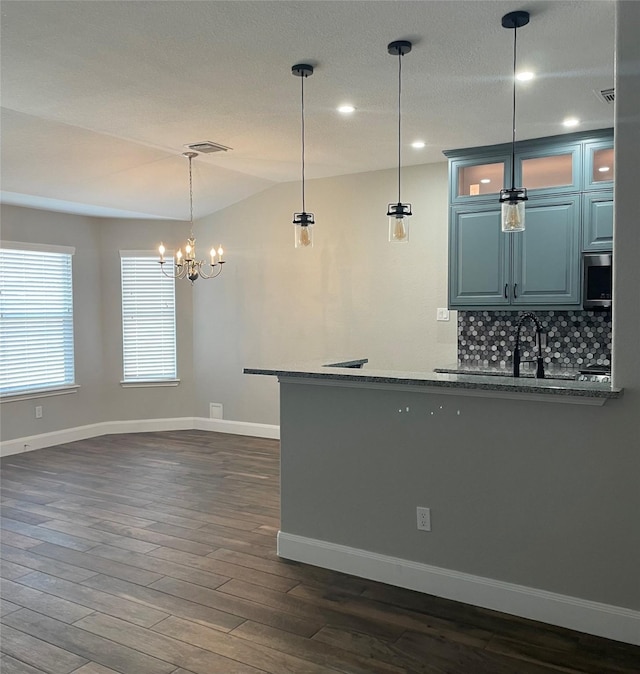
(611,622)
(32,442)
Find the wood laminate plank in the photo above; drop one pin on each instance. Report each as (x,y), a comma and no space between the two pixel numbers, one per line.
(9,665)
(18,540)
(40,534)
(259,656)
(69,505)
(309,610)
(164,567)
(21,515)
(162,646)
(29,648)
(286,642)
(574,660)
(50,513)
(97,564)
(93,534)
(439,653)
(11,571)
(47,604)
(192,610)
(87,647)
(7,607)
(156,538)
(237,606)
(223,568)
(95,668)
(360,606)
(35,562)
(94,600)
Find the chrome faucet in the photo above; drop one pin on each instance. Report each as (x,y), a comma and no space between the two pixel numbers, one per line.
(516,352)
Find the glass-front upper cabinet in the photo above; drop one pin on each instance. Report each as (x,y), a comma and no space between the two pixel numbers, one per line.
(552,170)
(598,165)
(478,177)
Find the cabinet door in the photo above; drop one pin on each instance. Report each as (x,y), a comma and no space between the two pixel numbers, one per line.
(478,179)
(598,165)
(546,257)
(478,257)
(551,170)
(597,214)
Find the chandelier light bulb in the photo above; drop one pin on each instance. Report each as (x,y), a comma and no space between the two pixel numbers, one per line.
(220,252)
(161,250)
(212,254)
(513,216)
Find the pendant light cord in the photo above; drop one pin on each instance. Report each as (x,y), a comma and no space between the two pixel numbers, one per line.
(513,137)
(399,118)
(190,197)
(302,126)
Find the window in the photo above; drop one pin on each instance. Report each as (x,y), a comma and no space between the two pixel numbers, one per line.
(36,318)
(148,320)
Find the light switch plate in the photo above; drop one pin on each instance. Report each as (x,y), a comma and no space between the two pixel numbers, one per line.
(442,314)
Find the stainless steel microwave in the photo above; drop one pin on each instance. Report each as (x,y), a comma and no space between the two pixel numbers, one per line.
(597,280)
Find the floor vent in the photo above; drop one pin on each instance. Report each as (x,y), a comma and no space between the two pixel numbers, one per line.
(206,147)
(607,95)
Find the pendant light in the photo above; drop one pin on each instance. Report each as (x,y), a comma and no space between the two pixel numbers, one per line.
(399,213)
(513,199)
(304,221)
(187,265)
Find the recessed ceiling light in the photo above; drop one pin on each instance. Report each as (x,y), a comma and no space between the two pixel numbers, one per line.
(571,121)
(525,76)
(346,109)
(418,144)
(603,169)
(485,181)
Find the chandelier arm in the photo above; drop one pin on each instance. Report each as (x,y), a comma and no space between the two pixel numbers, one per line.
(177,274)
(213,274)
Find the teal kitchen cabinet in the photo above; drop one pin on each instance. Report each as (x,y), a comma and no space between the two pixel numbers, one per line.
(535,268)
(479,255)
(598,163)
(597,214)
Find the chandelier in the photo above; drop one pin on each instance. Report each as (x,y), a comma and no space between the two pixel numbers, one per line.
(186,265)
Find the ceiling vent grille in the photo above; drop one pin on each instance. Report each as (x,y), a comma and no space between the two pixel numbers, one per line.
(206,147)
(607,95)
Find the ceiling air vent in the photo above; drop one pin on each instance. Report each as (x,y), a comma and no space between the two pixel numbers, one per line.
(206,147)
(607,95)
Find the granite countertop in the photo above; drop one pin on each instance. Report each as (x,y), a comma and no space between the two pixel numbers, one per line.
(444,380)
(526,372)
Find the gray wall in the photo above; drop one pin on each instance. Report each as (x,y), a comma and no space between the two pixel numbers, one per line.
(352,295)
(97,324)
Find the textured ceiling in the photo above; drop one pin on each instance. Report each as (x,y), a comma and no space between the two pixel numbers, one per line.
(100,98)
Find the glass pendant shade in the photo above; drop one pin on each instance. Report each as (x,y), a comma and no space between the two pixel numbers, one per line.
(513,209)
(399,215)
(303,229)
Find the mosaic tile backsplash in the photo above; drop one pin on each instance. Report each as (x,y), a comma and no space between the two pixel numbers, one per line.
(573,338)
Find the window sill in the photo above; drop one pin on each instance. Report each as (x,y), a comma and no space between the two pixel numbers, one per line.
(40,393)
(149,384)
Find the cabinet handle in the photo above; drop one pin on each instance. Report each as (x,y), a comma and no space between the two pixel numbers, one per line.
(506,293)
(515,291)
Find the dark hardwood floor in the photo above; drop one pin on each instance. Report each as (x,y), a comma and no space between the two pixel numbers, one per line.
(154,553)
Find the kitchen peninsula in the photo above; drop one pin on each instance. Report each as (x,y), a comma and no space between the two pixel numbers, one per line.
(362,449)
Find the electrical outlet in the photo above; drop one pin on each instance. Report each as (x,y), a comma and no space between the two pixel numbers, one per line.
(38,411)
(442,314)
(424,519)
(215,411)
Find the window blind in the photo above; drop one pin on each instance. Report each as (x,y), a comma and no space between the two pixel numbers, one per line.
(36,320)
(148,320)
